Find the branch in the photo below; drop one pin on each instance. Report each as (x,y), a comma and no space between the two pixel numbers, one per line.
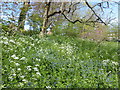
(63,10)
(54,14)
(94,12)
(71,20)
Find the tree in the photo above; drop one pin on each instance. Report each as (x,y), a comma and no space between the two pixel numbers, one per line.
(10,14)
(22,16)
(68,10)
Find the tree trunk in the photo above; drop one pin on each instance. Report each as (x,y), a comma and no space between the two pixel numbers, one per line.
(45,20)
(22,16)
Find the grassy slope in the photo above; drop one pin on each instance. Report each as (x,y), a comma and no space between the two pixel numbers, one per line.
(58,61)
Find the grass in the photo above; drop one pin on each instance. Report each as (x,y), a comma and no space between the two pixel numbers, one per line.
(58,62)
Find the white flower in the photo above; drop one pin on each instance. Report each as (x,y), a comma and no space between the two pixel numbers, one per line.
(18,69)
(105,61)
(4,37)
(18,43)
(109,72)
(35,69)
(32,44)
(14,56)
(14,74)
(12,41)
(48,87)
(38,73)
(23,51)
(29,68)
(24,80)
(17,64)
(115,63)
(22,76)
(36,65)
(23,58)
(5,42)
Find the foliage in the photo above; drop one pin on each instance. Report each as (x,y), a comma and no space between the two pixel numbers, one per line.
(30,32)
(58,62)
(68,29)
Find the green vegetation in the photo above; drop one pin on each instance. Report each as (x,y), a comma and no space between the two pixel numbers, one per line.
(58,62)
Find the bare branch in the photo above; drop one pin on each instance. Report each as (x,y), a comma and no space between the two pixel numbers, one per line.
(71,20)
(54,13)
(94,12)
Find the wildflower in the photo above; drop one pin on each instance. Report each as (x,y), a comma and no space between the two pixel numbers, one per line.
(23,58)
(35,69)
(32,44)
(12,41)
(115,63)
(38,73)
(48,87)
(5,42)
(4,37)
(105,61)
(18,69)
(14,56)
(29,68)
(22,76)
(14,74)
(36,65)
(24,80)
(17,64)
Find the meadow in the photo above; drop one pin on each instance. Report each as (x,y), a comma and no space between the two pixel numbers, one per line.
(58,62)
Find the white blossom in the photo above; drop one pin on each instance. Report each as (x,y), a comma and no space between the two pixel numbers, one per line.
(14,74)
(12,41)
(35,69)
(32,44)
(105,62)
(29,68)
(24,80)
(36,65)
(23,58)
(14,56)
(115,63)
(22,76)
(17,64)
(48,87)
(5,42)
(19,69)
(38,73)
(5,38)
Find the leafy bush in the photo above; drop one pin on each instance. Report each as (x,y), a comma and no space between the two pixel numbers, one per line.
(58,62)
